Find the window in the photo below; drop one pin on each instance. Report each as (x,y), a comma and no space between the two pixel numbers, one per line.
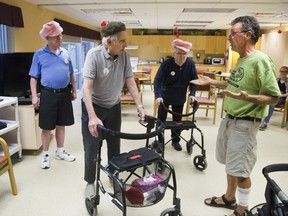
(3,39)
(78,53)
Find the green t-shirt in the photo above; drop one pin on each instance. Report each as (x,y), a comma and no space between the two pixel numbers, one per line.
(256,75)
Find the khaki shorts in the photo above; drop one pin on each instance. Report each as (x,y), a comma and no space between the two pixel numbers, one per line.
(236,146)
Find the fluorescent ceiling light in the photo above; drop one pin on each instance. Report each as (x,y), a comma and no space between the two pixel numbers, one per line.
(194,22)
(108,10)
(209,10)
(190,26)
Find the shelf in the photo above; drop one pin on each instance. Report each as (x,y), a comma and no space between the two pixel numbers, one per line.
(11,133)
(7,101)
(13,148)
(11,125)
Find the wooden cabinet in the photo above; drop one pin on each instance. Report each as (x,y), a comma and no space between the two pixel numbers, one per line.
(215,44)
(30,131)
(164,43)
(212,67)
(209,44)
(11,133)
(200,43)
(140,40)
(221,42)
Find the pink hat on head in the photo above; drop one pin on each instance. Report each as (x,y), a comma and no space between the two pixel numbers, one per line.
(183,45)
(50,29)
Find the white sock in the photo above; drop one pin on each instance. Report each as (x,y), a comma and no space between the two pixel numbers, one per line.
(45,152)
(60,150)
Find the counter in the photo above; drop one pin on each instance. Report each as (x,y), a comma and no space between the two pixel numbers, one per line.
(212,67)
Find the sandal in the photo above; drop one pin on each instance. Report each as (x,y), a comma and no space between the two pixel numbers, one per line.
(230,204)
(236,213)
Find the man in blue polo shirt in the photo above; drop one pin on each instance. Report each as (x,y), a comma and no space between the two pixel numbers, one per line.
(52,66)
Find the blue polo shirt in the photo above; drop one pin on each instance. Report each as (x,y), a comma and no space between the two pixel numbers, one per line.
(54,69)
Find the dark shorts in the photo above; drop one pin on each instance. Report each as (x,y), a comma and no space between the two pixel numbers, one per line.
(55,109)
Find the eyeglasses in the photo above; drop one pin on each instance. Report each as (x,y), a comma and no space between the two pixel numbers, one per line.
(180,54)
(233,34)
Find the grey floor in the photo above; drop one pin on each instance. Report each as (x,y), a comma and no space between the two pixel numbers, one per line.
(58,191)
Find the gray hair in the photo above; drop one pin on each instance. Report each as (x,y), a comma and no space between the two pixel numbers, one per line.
(249,23)
(112,38)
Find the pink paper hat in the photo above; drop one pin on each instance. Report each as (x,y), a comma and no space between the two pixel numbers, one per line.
(183,45)
(50,29)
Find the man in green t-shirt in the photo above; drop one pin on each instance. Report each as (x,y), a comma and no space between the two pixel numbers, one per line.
(250,88)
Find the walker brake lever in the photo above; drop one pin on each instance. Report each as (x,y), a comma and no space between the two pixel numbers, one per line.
(142,122)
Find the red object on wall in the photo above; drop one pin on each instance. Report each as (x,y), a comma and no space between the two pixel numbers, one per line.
(176,32)
(103,24)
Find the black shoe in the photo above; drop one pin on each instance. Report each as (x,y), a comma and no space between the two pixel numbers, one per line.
(177,146)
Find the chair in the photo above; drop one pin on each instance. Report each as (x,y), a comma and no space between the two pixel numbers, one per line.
(6,165)
(200,71)
(283,108)
(207,97)
(126,98)
(147,77)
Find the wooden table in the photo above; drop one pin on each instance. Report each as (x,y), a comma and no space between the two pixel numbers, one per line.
(141,75)
(223,75)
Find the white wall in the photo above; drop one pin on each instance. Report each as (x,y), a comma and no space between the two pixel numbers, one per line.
(276,46)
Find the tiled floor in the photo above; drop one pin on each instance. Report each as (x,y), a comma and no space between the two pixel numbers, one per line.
(58,191)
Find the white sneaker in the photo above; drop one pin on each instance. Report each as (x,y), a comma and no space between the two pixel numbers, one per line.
(45,161)
(65,156)
(89,190)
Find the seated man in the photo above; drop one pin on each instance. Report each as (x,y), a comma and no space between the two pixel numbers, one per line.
(283,86)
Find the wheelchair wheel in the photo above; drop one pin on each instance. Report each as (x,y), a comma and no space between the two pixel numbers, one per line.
(200,162)
(189,146)
(92,211)
(171,212)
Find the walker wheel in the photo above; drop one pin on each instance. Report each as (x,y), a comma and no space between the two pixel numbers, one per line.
(189,147)
(92,211)
(200,162)
(171,212)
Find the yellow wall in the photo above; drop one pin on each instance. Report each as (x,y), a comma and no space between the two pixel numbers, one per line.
(27,39)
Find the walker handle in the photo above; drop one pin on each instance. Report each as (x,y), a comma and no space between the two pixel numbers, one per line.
(134,136)
(195,108)
(274,186)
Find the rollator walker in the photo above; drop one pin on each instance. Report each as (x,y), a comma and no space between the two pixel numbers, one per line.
(137,178)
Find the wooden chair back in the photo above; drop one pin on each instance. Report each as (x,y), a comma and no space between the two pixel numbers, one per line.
(126,98)
(284,109)
(206,96)
(147,70)
(6,165)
